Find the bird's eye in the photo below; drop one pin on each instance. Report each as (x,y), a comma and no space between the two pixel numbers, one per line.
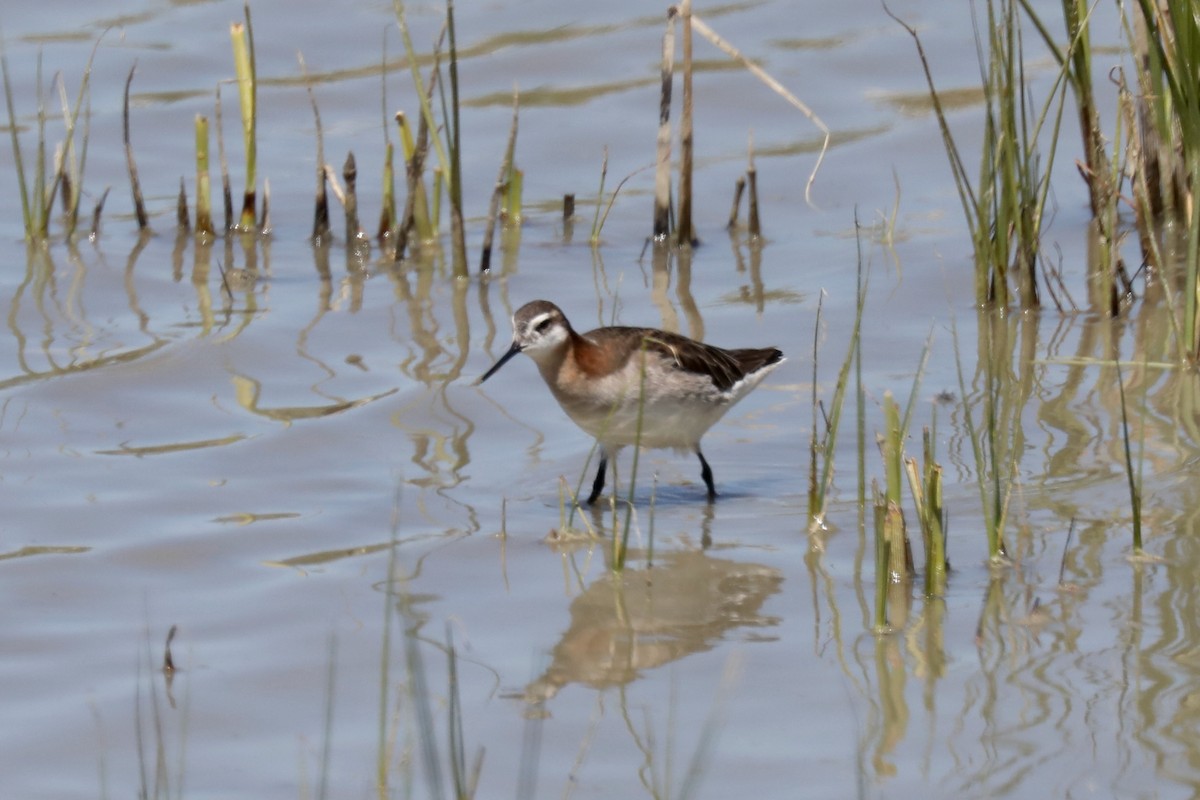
(543,326)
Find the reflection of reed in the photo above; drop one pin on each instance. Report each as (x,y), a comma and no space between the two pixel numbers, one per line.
(249,391)
(754,293)
(43,550)
(439,450)
(661,262)
(37,295)
(893,707)
(624,624)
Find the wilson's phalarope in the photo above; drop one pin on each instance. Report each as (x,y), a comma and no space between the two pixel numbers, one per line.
(681,387)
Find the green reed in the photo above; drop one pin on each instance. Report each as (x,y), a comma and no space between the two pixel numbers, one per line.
(823,439)
(241,35)
(597,224)
(890,567)
(69,173)
(1004,206)
(621,543)
(204,223)
(37,202)
(1134,480)
(891,449)
(416,204)
(925,484)
(27,207)
(387,209)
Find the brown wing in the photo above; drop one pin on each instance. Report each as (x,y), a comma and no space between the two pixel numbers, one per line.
(725,367)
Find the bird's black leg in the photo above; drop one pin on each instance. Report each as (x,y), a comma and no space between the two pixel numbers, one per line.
(598,484)
(706,473)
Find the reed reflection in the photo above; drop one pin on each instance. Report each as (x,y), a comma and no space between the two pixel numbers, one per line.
(662,258)
(55,336)
(438,430)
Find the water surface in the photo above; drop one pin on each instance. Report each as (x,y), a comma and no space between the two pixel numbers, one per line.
(246,464)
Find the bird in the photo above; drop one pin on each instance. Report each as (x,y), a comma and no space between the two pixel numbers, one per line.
(635,386)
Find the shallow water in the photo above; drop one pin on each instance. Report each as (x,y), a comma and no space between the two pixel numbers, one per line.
(239,463)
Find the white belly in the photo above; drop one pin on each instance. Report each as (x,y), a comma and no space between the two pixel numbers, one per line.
(674,413)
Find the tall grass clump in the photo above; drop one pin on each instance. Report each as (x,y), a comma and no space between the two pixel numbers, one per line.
(1004,206)
(826,423)
(448,149)
(1165,39)
(37,202)
(1103,175)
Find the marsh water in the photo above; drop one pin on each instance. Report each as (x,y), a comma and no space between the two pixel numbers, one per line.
(299,473)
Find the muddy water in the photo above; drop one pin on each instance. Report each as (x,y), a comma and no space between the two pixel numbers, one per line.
(252,464)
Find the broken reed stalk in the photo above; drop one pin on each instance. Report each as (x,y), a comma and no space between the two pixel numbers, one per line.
(685,232)
(139,206)
(182,223)
(439,184)
(387,212)
(754,225)
(407,217)
(242,37)
(568,217)
(321,228)
(415,218)
(62,170)
(354,232)
(204,223)
(662,174)
(226,186)
(510,211)
(926,487)
(739,188)
(264,221)
(891,447)
(502,180)
(882,557)
(96,212)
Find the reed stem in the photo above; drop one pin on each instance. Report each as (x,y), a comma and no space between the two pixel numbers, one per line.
(685,232)
(662,174)
(242,37)
(204,223)
(502,184)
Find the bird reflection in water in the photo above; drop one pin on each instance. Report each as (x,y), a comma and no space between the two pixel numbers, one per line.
(623,625)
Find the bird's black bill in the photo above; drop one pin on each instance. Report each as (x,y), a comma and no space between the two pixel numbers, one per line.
(512,351)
